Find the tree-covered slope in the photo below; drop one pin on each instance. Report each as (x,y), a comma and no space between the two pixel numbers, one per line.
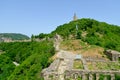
(12,36)
(32,57)
(90,31)
(93,32)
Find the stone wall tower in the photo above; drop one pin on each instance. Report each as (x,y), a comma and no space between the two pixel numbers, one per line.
(74,17)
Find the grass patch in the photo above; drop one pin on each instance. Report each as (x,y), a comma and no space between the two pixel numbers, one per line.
(104,66)
(78,64)
(73,44)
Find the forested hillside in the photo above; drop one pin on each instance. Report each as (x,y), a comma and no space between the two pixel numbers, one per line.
(32,57)
(12,36)
(90,31)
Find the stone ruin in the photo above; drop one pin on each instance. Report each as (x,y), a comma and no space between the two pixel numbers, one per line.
(51,73)
(89,75)
(113,55)
(73,74)
(57,40)
(66,60)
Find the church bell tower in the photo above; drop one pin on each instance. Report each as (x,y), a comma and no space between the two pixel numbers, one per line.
(74,17)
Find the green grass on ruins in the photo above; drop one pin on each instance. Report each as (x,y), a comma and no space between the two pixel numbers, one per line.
(103,65)
(78,64)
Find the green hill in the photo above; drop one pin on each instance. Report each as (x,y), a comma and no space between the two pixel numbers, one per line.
(90,31)
(12,36)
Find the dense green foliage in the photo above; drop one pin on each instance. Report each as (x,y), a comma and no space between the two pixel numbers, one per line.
(93,32)
(117,77)
(90,31)
(13,36)
(32,57)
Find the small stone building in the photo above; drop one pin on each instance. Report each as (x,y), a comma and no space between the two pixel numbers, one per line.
(113,55)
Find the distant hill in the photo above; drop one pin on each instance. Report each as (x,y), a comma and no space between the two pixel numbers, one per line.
(90,31)
(6,37)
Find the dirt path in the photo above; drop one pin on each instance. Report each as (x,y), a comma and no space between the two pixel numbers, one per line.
(66,62)
(61,70)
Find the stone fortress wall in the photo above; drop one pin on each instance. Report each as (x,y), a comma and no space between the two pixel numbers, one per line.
(51,73)
(62,66)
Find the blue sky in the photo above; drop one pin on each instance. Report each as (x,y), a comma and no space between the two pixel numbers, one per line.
(43,16)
